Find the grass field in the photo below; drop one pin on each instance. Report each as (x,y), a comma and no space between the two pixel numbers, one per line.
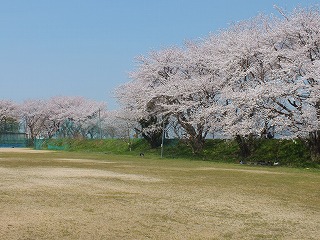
(68,195)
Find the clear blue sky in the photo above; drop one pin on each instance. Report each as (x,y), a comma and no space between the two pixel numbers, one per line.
(87,47)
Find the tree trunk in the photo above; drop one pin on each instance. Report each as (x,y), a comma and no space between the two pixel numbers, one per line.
(247,145)
(196,136)
(197,144)
(314,145)
(153,137)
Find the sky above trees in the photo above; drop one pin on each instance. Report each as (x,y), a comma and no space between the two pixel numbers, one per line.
(87,48)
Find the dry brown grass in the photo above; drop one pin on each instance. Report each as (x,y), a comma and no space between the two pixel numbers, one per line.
(55,195)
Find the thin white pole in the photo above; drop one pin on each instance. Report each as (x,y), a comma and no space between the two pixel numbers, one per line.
(162,140)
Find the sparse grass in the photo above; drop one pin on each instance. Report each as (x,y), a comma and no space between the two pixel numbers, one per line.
(81,195)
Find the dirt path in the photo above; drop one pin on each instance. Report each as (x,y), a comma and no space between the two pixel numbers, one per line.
(21,150)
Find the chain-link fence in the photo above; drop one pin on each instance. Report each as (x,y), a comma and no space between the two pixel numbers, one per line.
(13,139)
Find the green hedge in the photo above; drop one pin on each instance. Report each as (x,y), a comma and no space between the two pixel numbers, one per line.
(286,152)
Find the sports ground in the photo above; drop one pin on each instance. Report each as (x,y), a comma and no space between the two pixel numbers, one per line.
(68,195)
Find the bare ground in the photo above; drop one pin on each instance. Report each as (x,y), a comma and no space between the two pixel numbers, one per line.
(21,150)
(119,200)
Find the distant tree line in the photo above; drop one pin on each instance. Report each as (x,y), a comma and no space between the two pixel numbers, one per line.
(56,117)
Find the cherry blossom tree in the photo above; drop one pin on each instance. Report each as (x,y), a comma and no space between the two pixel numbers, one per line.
(75,116)
(243,67)
(139,99)
(34,114)
(296,54)
(175,83)
(62,116)
(8,116)
(273,76)
(121,126)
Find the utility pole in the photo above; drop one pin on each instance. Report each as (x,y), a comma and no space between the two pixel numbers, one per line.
(162,140)
(100,130)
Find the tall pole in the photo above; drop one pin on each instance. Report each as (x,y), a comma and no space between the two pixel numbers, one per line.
(100,131)
(162,140)
(129,140)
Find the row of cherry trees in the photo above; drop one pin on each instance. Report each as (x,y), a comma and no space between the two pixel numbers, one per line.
(57,116)
(255,78)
